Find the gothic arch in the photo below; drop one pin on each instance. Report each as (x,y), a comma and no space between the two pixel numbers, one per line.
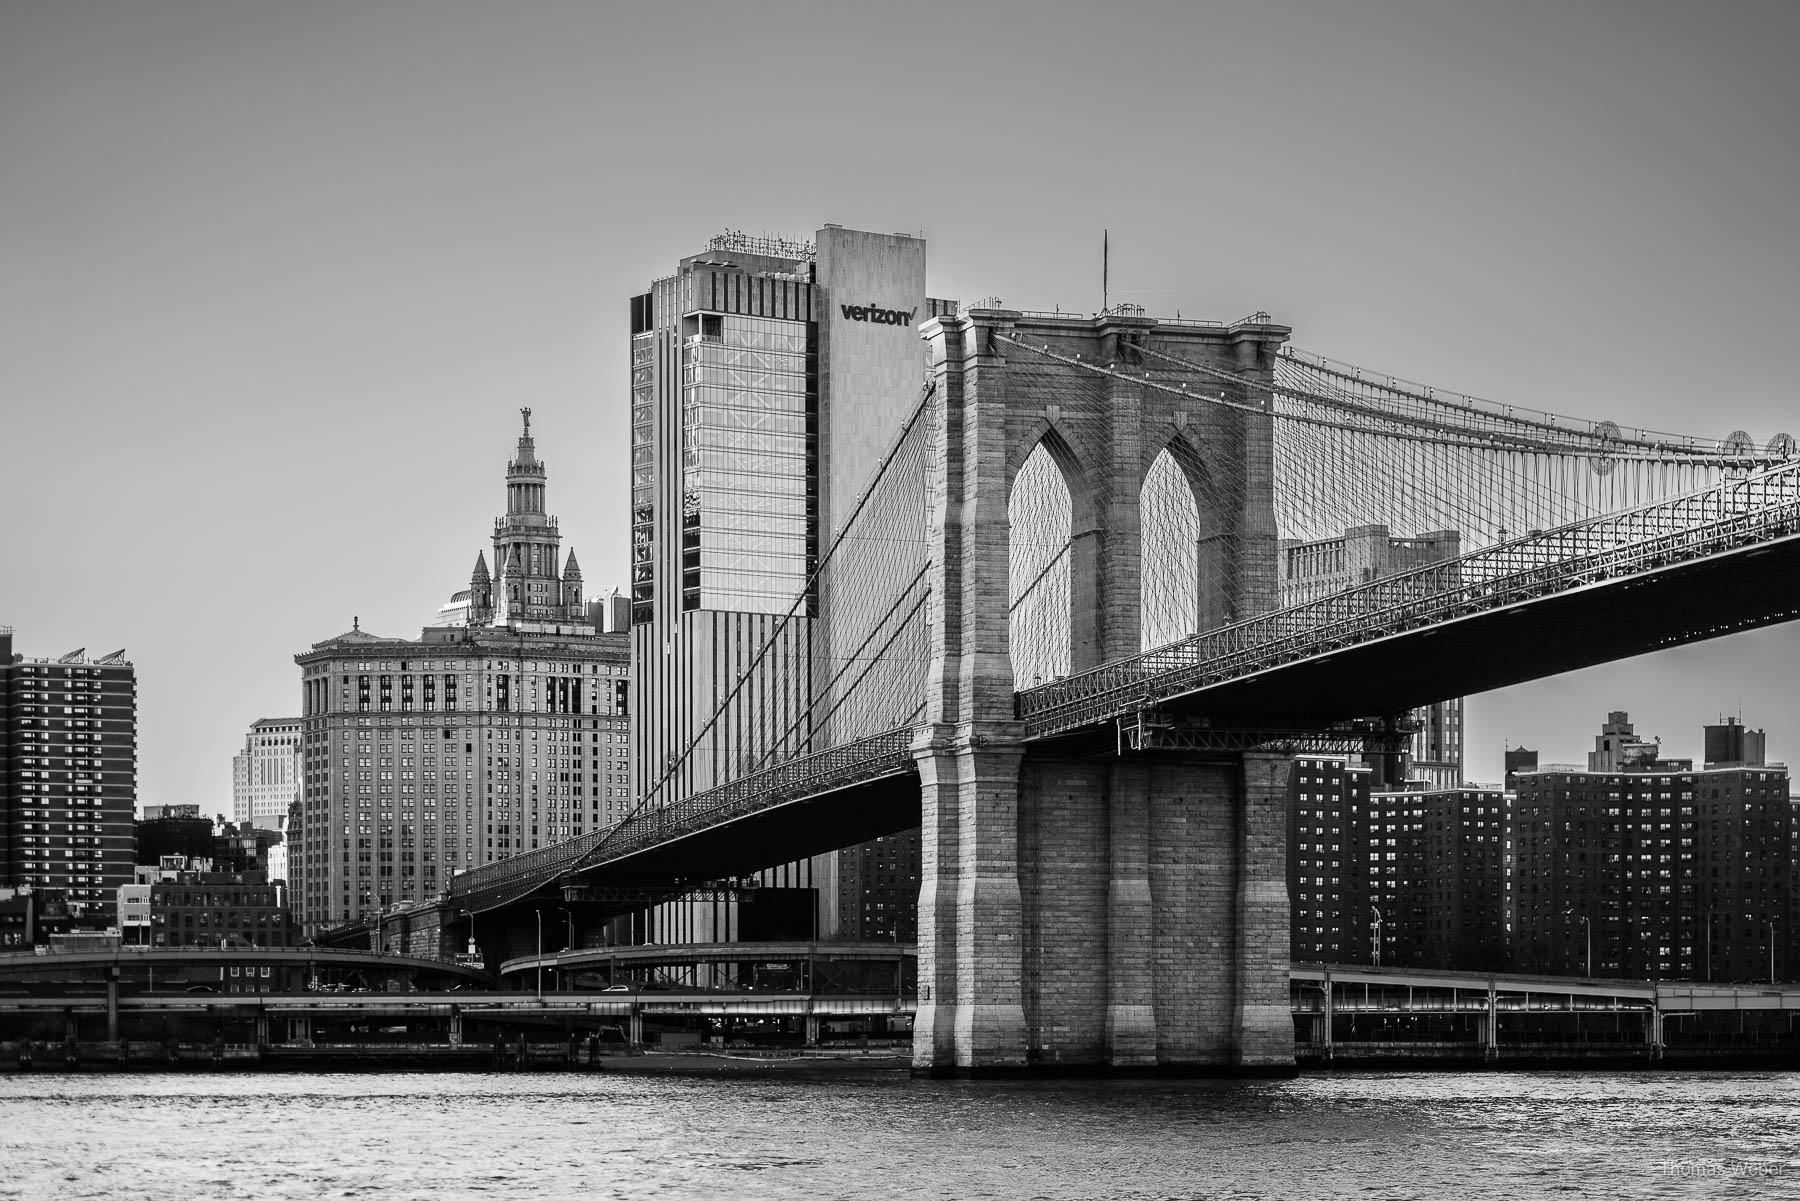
(1187,549)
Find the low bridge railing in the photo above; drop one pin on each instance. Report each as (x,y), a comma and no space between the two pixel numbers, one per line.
(1737,512)
(872,758)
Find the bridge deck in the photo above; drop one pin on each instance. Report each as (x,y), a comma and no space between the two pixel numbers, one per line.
(1700,566)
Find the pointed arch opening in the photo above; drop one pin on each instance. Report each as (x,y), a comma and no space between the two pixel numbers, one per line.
(1186,549)
(1039,513)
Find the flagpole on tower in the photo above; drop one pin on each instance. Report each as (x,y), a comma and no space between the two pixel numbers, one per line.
(1105,266)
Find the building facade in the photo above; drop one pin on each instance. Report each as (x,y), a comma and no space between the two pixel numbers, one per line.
(172,830)
(1399,878)
(68,774)
(1328,860)
(1617,746)
(1730,744)
(188,908)
(1314,570)
(878,890)
(1439,884)
(265,775)
(473,743)
(1651,869)
(768,379)
(1672,874)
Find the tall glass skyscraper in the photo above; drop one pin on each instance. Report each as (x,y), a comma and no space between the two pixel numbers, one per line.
(768,377)
(724,510)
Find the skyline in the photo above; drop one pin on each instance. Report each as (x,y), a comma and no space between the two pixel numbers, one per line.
(279,279)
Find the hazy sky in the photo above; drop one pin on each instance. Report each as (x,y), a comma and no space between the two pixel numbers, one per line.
(274,277)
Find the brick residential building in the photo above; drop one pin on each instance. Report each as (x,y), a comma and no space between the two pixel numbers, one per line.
(211,909)
(1672,873)
(1419,873)
(1438,877)
(68,774)
(1328,859)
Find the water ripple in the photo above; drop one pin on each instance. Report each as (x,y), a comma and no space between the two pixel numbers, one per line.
(459,1137)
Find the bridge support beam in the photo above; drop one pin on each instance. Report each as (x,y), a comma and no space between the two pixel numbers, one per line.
(1130,1034)
(1086,915)
(1155,913)
(970,1019)
(1263,1028)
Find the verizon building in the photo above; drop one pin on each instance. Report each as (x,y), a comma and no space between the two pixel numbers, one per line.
(768,379)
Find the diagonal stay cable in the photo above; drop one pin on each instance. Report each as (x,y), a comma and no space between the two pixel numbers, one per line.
(762,653)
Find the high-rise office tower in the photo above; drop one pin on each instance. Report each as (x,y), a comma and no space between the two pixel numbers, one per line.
(68,773)
(265,775)
(768,378)
(499,732)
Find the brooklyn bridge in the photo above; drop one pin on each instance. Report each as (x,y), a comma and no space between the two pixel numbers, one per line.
(1050,633)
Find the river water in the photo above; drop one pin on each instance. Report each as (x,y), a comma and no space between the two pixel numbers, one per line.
(449,1137)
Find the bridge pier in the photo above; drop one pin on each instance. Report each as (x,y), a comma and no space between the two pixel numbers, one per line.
(1130,1031)
(1127,916)
(969,1016)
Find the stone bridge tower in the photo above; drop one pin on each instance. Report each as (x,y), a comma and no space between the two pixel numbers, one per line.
(1080,909)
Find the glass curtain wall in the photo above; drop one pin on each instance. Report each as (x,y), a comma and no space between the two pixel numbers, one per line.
(643,475)
(744,436)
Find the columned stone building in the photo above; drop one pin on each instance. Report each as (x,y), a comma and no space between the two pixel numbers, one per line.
(265,775)
(488,736)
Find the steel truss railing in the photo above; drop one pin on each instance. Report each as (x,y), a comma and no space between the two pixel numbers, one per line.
(1150,731)
(1734,513)
(876,757)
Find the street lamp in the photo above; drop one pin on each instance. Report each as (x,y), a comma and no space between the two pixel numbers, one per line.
(570,914)
(1771,925)
(474,950)
(540,954)
(1375,939)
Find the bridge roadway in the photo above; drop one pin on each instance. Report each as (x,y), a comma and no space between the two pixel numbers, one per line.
(654,955)
(287,967)
(1443,991)
(1395,1016)
(1343,1012)
(1678,572)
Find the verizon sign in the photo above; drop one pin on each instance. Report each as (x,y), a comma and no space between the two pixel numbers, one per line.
(875,316)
